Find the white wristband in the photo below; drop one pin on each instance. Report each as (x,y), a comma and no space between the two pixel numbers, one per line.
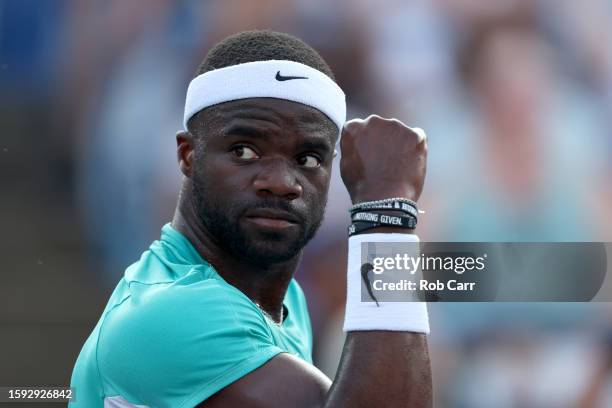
(394,316)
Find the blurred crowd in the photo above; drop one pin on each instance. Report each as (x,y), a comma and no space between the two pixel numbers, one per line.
(515,96)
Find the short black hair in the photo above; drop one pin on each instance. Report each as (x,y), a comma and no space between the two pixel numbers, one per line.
(262,45)
(257,45)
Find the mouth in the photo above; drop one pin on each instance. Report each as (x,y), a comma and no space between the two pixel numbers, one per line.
(272,218)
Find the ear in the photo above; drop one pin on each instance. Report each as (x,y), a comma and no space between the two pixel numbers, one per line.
(184,152)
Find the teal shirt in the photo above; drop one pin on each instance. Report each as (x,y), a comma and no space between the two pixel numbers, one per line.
(174,333)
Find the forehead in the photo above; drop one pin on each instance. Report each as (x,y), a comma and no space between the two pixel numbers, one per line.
(280,112)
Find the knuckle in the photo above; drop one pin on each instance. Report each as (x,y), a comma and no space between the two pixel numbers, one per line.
(352,125)
(397,122)
(376,119)
(420,133)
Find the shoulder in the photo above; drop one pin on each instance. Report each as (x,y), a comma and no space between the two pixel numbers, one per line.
(177,339)
(175,312)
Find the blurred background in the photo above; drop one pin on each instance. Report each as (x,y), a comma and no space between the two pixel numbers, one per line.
(516,98)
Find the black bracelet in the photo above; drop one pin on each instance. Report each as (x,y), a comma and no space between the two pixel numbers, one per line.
(395,206)
(358,227)
(385,219)
(395,202)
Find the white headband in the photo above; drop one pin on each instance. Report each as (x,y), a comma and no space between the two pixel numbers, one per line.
(267,79)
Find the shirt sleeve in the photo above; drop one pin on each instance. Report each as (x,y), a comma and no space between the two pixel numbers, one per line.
(178,345)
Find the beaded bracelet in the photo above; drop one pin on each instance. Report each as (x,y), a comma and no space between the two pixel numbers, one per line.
(394,203)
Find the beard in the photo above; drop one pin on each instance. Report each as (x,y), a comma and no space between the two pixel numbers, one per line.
(222,216)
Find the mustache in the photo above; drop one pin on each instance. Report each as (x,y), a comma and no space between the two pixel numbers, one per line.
(277,204)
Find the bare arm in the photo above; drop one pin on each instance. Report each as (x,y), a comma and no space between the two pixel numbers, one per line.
(383,369)
(378,369)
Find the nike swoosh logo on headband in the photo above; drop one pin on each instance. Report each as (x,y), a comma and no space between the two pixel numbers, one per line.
(279,77)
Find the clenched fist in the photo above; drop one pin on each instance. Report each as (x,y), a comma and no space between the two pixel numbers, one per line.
(382,158)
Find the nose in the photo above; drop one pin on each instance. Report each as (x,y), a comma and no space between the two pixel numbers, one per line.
(277,178)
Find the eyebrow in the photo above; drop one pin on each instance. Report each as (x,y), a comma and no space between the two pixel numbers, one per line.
(246,130)
(311,142)
(317,144)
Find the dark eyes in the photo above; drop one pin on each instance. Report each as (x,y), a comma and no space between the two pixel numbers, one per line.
(309,160)
(246,153)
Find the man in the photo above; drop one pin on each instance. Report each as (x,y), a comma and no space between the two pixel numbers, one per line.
(210,315)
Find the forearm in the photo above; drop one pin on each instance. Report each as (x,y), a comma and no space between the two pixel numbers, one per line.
(382,369)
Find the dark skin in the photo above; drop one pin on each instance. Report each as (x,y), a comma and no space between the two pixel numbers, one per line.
(279,153)
(267,152)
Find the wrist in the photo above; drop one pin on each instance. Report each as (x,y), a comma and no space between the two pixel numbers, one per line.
(409,314)
(387,230)
(373,195)
(390,215)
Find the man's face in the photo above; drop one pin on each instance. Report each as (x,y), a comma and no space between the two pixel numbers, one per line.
(261,173)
